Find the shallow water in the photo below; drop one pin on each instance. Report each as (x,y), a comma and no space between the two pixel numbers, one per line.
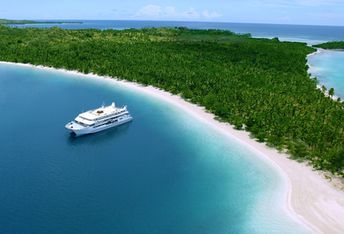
(163,173)
(328,67)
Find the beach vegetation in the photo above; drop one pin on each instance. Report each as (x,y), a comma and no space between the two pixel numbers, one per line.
(332,45)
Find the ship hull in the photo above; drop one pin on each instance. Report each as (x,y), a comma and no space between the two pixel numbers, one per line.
(79,131)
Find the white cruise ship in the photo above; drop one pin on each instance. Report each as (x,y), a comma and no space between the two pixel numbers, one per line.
(99,119)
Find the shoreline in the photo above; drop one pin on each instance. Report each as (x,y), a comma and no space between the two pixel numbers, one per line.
(310,199)
(312,72)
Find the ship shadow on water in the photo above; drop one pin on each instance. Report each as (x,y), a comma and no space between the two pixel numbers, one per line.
(99,137)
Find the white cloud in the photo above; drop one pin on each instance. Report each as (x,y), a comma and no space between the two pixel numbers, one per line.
(150,11)
(211,14)
(170,12)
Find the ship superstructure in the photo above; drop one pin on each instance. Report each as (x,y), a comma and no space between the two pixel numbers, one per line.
(99,119)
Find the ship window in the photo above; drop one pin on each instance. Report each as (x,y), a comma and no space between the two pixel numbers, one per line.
(82,124)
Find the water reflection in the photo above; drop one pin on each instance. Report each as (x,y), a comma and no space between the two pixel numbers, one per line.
(100,137)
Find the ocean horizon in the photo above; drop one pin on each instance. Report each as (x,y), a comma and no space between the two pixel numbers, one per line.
(311,34)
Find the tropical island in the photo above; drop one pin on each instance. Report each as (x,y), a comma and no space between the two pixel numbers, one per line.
(258,85)
(333,45)
(7,21)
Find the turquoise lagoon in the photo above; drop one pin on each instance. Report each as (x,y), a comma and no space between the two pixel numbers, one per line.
(328,67)
(165,172)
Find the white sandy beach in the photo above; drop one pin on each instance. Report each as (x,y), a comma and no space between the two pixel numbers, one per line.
(311,199)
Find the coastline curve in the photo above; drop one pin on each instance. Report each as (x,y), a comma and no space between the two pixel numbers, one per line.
(309,200)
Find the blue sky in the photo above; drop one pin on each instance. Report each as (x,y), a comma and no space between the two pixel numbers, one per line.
(319,12)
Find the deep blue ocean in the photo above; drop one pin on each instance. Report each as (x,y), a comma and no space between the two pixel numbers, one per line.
(165,172)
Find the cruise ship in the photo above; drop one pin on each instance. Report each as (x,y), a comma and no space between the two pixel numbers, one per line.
(100,119)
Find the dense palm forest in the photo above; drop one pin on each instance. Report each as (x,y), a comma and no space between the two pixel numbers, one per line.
(331,45)
(259,85)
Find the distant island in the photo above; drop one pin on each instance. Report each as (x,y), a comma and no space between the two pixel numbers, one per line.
(258,85)
(7,21)
(333,45)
